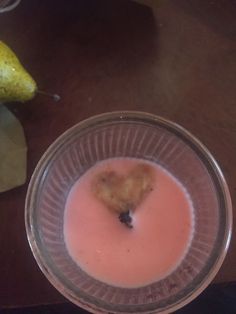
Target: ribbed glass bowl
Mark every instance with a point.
(8, 5)
(140, 135)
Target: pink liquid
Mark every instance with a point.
(113, 253)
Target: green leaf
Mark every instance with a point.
(13, 151)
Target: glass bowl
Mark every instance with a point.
(140, 135)
(8, 5)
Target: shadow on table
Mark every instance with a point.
(216, 299)
(74, 47)
(102, 37)
(219, 15)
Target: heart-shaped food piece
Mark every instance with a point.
(123, 193)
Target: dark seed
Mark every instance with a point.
(126, 219)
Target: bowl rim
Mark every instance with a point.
(126, 116)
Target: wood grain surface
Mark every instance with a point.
(176, 59)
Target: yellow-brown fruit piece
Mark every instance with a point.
(123, 193)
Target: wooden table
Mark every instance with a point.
(177, 60)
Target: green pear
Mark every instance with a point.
(16, 84)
